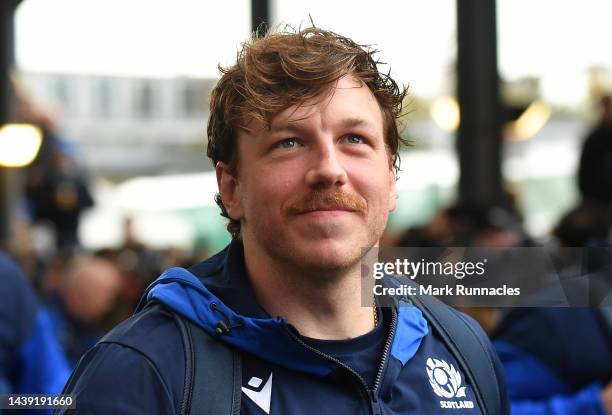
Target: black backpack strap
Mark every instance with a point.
(470, 350)
(213, 373)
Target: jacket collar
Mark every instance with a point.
(225, 275)
(216, 295)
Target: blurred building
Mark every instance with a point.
(129, 126)
(600, 82)
(136, 126)
(521, 91)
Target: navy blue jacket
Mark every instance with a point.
(557, 360)
(143, 371)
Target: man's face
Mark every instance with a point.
(318, 185)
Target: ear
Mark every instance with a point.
(229, 189)
(392, 190)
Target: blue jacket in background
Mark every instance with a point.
(141, 369)
(557, 360)
(31, 360)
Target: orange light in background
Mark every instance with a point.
(445, 113)
(19, 144)
(531, 121)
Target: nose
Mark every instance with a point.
(325, 170)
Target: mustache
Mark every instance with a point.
(326, 200)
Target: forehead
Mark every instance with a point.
(348, 101)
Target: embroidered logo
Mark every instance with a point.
(261, 396)
(445, 381)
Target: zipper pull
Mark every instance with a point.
(374, 404)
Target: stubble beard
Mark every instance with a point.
(311, 266)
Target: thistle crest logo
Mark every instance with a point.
(444, 379)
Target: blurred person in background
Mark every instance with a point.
(58, 194)
(56, 186)
(139, 264)
(589, 223)
(497, 226)
(595, 168)
(83, 303)
(460, 225)
(558, 361)
(31, 359)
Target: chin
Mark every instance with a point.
(331, 255)
(322, 255)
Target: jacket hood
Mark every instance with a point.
(217, 296)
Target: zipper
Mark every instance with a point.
(386, 350)
(369, 394)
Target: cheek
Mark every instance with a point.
(373, 184)
(265, 194)
(392, 202)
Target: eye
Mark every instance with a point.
(288, 143)
(355, 139)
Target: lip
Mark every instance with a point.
(343, 209)
(326, 212)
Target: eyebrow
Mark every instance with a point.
(355, 122)
(297, 126)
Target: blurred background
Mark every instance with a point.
(126, 85)
(112, 184)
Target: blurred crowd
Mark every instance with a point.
(57, 299)
(557, 360)
(54, 305)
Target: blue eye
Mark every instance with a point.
(287, 143)
(355, 139)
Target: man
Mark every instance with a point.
(303, 136)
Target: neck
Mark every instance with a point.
(322, 307)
